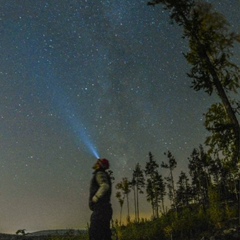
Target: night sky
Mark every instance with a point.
(83, 79)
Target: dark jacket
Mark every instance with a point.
(101, 188)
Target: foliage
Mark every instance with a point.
(69, 235)
(155, 187)
(184, 225)
(184, 191)
(171, 165)
(210, 55)
(69, 238)
(120, 198)
(141, 231)
(222, 138)
(124, 187)
(207, 198)
(199, 164)
(137, 184)
(218, 211)
(150, 172)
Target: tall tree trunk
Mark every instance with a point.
(220, 90)
(137, 201)
(128, 212)
(121, 215)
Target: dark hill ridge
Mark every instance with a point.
(18, 237)
(59, 232)
(43, 235)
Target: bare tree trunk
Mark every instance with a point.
(137, 200)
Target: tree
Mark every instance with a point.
(110, 173)
(223, 180)
(222, 138)
(120, 198)
(155, 188)
(150, 195)
(210, 54)
(183, 193)
(138, 183)
(150, 171)
(160, 192)
(199, 164)
(124, 186)
(170, 165)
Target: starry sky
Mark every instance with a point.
(82, 79)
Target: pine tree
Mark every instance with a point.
(184, 191)
(124, 187)
(120, 198)
(150, 195)
(160, 192)
(199, 164)
(153, 188)
(150, 171)
(171, 165)
(138, 183)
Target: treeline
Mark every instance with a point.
(207, 195)
(197, 202)
(207, 181)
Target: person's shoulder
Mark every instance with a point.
(101, 173)
(102, 176)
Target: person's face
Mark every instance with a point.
(96, 166)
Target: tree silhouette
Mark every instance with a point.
(211, 44)
(199, 171)
(124, 187)
(110, 173)
(120, 198)
(150, 172)
(184, 191)
(160, 192)
(138, 183)
(150, 195)
(155, 187)
(171, 165)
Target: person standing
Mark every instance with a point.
(100, 202)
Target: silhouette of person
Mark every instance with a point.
(99, 202)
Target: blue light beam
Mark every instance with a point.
(68, 111)
(81, 133)
(48, 83)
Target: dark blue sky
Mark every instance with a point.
(83, 75)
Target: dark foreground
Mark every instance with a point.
(16, 237)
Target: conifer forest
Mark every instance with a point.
(204, 201)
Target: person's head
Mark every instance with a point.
(102, 163)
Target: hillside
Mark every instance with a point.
(44, 235)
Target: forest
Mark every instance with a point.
(205, 200)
